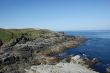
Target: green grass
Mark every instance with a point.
(7, 34)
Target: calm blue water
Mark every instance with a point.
(97, 45)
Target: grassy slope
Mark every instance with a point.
(7, 34)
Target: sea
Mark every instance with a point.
(97, 46)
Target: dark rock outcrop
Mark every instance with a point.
(1, 43)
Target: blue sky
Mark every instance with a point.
(55, 14)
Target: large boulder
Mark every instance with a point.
(77, 59)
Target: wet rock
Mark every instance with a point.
(88, 62)
(94, 60)
(108, 69)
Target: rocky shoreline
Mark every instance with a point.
(22, 53)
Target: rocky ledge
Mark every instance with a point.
(60, 68)
(76, 65)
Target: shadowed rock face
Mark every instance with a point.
(1, 43)
(22, 52)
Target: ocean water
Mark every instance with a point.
(97, 46)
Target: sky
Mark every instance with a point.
(55, 14)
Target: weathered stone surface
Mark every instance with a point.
(60, 68)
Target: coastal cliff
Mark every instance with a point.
(28, 47)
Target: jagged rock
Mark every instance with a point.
(83, 60)
(9, 60)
